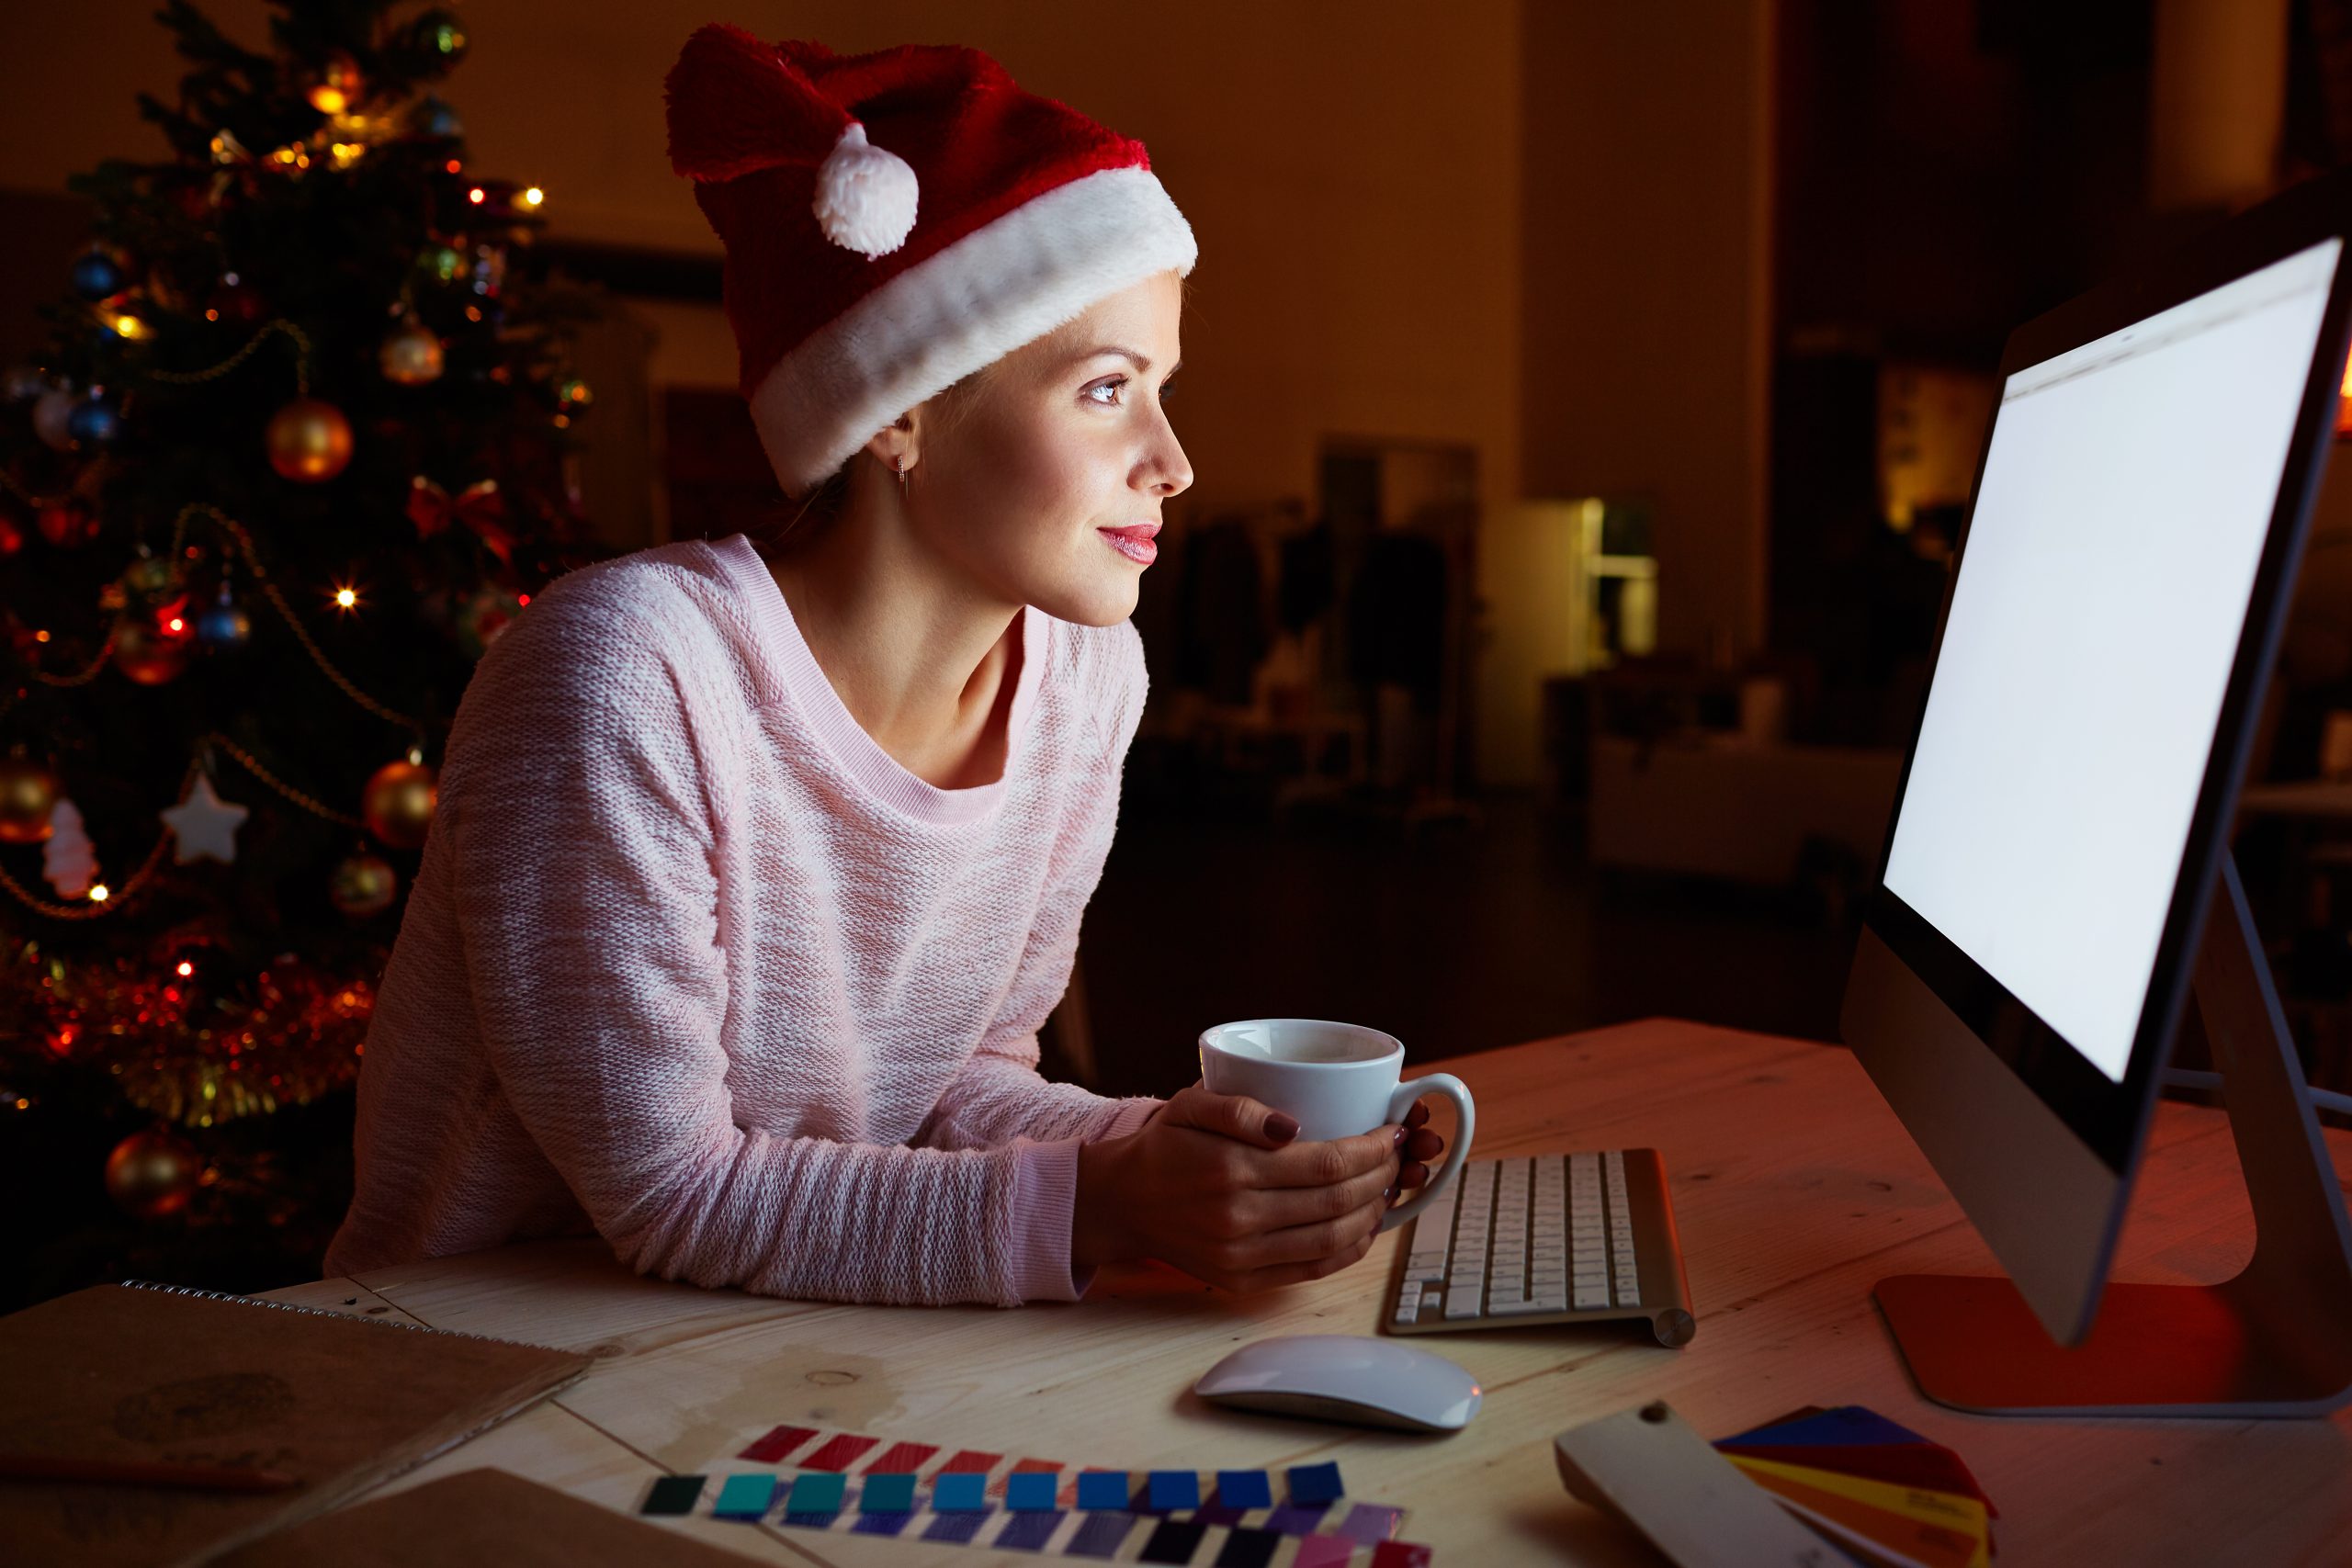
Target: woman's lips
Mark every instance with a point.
(1135, 543)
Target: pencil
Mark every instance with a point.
(147, 1473)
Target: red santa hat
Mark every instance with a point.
(895, 221)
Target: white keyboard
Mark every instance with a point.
(1543, 1238)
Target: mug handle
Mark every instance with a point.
(1399, 1103)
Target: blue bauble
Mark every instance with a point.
(96, 275)
(436, 118)
(224, 625)
(94, 422)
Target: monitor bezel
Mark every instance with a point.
(2111, 1117)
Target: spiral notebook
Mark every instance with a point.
(138, 1370)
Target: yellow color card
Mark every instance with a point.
(1933, 1529)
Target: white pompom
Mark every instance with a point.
(865, 195)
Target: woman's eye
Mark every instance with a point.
(1166, 387)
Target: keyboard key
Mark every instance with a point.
(1462, 1303)
(1518, 1309)
(1587, 1297)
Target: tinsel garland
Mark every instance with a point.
(184, 1048)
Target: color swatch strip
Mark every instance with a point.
(1299, 1516)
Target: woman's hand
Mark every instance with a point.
(1219, 1186)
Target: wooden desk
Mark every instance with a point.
(1795, 1189)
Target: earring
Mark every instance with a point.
(898, 466)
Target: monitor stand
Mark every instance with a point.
(2276, 1341)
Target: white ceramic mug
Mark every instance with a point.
(1338, 1080)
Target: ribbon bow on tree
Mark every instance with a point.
(480, 506)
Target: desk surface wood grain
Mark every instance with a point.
(1795, 1190)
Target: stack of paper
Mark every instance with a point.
(1880, 1492)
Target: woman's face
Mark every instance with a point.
(1066, 439)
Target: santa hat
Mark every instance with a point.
(895, 221)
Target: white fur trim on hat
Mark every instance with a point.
(999, 287)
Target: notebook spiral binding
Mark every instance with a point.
(322, 1312)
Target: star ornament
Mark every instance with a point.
(203, 825)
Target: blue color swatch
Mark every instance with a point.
(890, 1524)
(816, 1494)
(744, 1497)
(1029, 1530)
(1847, 1426)
(960, 1493)
(1027, 1492)
(1244, 1489)
(1103, 1489)
(956, 1528)
(886, 1494)
(1099, 1535)
(1315, 1482)
(1175, 1489)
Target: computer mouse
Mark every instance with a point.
(1345, 1377)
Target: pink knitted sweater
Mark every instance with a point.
(693, 964)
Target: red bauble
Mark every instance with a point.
(148, 653)
(310, 441)
(153, 1174)
(397, 803)
(68, 522)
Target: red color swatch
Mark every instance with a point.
(1400, 1554)
(902, 1459)
(772, 1448)
(1027, 1466)
(969, 1460)
(839, 1452)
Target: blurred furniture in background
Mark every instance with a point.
(1568, 586)
(1769, 814)
(1319, 658)
(1688, 770)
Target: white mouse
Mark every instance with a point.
(1345, 1377)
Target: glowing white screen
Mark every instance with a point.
(2127, 493)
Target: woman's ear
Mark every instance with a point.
(894, 443)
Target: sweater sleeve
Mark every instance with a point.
(999, 1096)
(584, 852)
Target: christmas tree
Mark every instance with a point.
(300, 447)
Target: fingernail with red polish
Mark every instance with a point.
(1399, 1139)
(1281, 1128)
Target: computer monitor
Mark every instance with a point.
(2061, 826)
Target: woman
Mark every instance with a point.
(754, 875)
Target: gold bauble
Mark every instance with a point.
(146, 653)
(397, 803)
(310, 441)
(153, 1174)
(150, 576)
(411, 354)
(339, 86)
(364, 884)
(28, 790)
